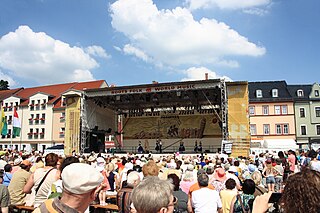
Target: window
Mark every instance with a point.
(300, 93)
(274, 93)
(43, 118)
(259, 93)
(285, 128)
(302, 113)
(251, 110)
(265, 110)
(278, 129)
(318, 129)
(266, 129)
(10, 107)
(10, 120)
(284, 109)
(277, 110)
(317, 109)
(17, 104)
(32, 105)
(303, 130)
(5, 107)
(253, 129)
(316, 93)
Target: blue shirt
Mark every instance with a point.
(7, 178)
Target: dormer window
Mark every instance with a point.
(274, 93)
(300, 93)
(259, 93)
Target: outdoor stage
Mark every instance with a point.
(208, 112)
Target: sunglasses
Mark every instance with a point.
(175, 200)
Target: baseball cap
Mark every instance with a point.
(80, 178)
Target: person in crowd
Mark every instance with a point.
(269, 172)
(18, 181)
(57, 188)
(301, 194)
(187, 181)
(227, 195)
(124, 194)
(292, 161)
(205, 199)
(150, 169)
(232, 174)
(112, 176)
(101, 163)
(279, 175)
(218, 179)
(153, 195)
(257, 178)
(243, 202)
(7, 175)
(38, 164)
(285, 165)
(182, 204)
(196, 185)
(314, 162)
(4, 197)
(81, 183)
(16, 164)
(41, 180)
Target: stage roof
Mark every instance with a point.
(158, 95)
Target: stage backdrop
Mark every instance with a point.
(189, 124)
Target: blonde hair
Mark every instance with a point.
(110, 167)
(150, 169)
(256, 177)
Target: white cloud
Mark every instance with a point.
(198, 73)
(6, 77)
(226, 4)
(37, 56)
(131, 50)
(97, 51)
(174, 37)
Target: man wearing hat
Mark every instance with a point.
(81, 183)
(18, 181)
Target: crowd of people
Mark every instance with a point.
(166, 183)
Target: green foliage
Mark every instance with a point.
(4, 85)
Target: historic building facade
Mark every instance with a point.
(41, 111)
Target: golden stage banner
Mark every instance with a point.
(238, 118)
(72, 130)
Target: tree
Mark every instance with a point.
(4, 85)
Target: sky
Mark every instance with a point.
(131, 42)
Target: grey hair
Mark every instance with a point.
(152, 194)
(132, 177)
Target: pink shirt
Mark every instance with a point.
(185, 186)
(292, 161)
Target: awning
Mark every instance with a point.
(280, 144)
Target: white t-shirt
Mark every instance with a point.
(206, 200)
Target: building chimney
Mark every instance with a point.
(154, 82)
(206, 76)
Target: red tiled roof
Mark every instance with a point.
(56, 90)
(7, 93)
(88, 85)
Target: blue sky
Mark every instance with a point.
(129, 42)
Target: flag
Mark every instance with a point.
(16, 124)
(3, 125)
